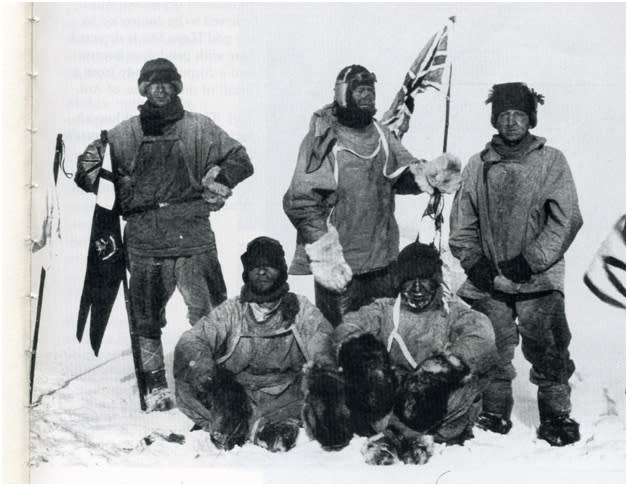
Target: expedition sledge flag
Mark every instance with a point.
(106, 267)
(46, 224)
(427, 71)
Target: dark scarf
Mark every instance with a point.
(289, 303)
(155, 118)
(512, 152)
(352, 116)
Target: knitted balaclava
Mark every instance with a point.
(264, 251)
(159, 70)
(417, 260)
(347, 111)
(514, 96)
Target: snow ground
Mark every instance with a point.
(86, 421)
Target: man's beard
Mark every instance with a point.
(352, 116)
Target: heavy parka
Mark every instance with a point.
(265, 357)
(526, 206)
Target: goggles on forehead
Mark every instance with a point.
(349, 82)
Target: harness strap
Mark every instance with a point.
(395, 336)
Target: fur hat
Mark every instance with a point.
(264, 251)
(159, 70)
(348, 79)
(417, 260)
(514, 96)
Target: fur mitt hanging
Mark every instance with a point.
(327, 261)
(441, 173)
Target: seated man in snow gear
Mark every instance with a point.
(239, 370)
(341, 198)
(414, 368)
(512, 221)
(171, 169)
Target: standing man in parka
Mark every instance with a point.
(171, 169)
(342, 197)
(512, 220)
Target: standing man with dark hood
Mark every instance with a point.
(171, 169)
(342, 197)
(513, 218)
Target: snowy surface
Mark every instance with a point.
(260, 70)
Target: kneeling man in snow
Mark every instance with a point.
(238, 371)
(414, 369)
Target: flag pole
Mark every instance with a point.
(42, 278)
(448, 96)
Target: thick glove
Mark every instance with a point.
(327, 261)
(516, 269)
(230, 410)
(482, 274)
(214, 192)
(423, 397)
(444, 369)
(326, 417)
(370, 382)
(442, 173)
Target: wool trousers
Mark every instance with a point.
(153, 280)
(540, 320)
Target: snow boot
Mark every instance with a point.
(158, 397)
(278, 436)
(381, 450)
(559, 431)
(494, 423)
(326, 417)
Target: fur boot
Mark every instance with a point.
(277, 436)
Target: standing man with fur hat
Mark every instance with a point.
(171, 169)
(513, 218)
(413, 369)
(342, 197)
(239, 370)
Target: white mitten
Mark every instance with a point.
(328, 263)
(214, 192)
(442, 173)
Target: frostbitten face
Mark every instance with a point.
(160, 94)
(417, 294)
(262, 279)
(513, 125)
(364, 97)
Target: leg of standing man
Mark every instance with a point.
(545, 341)
(497, 399)
(151, 285)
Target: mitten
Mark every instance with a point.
(214, 192)
(326, 417)
(230, 410)
(422, 400)
(370, 381)
(482, 274)
(516, 269)
(327, 261)
(442, 173)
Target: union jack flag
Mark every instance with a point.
(427, 71)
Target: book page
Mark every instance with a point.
(16, 136)
(260, 71)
